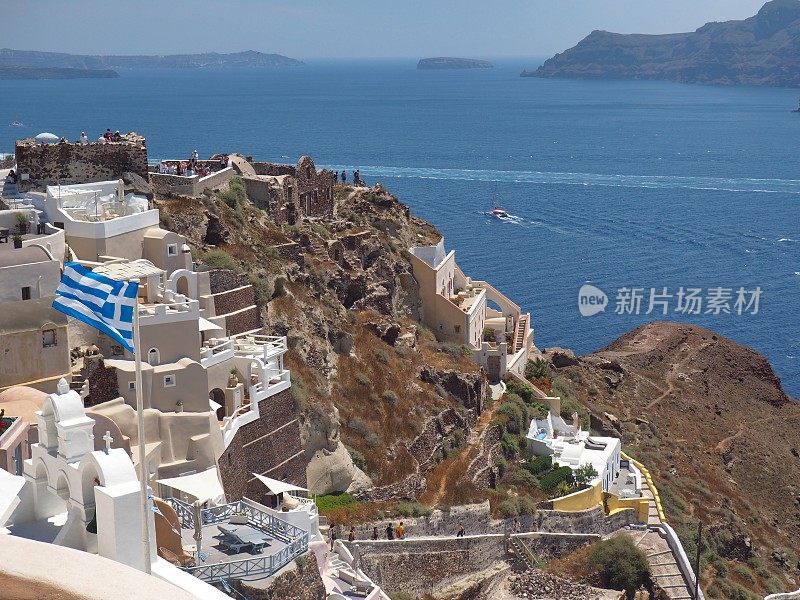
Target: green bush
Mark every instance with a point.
(382, 356)
(584, 474)
(262, 289)
(235, 194)
(621, 564)
(551, 480)
(540, 464)
(390, 397)
(518, 477)
(362, 379)
(219, 259)
(358, 458)
(412, 509)
(508, 443)
(332, 501)
(501, 464)
(534, 369)
(516, 506)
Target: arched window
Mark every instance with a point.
(153, 357)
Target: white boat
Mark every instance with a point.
(499, 213)
(16, 124)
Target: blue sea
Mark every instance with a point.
(636, 185)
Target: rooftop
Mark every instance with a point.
(127, 270)
(126, 138)
(29, 315)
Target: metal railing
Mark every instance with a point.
(296, 539)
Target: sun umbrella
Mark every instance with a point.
(47, 138)
(198, 525)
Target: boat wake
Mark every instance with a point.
(732, 184)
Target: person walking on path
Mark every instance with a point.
(400, 531)
(374, 533)
(351, 537)
(333, 535)
(460, 530)
(390, 531)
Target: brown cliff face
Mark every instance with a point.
(364, 372)
(709, 418)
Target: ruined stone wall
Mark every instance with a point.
(593, 520)
(548, 546)
(274, 169)
(75, 163)
(269, 446)
(419, 567)
(103, 382)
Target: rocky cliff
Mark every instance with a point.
(13, 72)
(709, 418)
(761, 50)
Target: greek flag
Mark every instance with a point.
(99, 301)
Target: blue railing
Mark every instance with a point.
(296, 539)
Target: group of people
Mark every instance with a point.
(106, 138)
(192, 166)
(357, 181)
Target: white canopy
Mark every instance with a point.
(206, 325)
(278, 487)
(203, 486)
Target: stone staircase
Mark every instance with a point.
(519, 333)
(520, 551)
(664, 568)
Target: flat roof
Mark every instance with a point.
(26, 255)
(29, 315)
(134, 269)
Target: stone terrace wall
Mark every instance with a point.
(269, 446)
(587, 521)
(75, 163)
(233, 300)
(422, 566)
(246, 320)
(223, 280)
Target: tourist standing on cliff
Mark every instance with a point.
(351, 537)
(400, 531)
(344, 176)
(390, 531)
(336, 177)
(460, 530)
(84, 139)
(333, 535)
(374, 533)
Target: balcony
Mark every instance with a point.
(216, 351)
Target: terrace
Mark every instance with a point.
(217, 558)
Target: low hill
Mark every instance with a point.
(8, 72)
(446, 62)
(250, 58)
(761, 50)
(709, 418)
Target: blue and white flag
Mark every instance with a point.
(99, 301)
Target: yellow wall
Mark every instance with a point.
(640, 506)
(650, 484)
(580, 501)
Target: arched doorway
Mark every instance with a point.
(153, 357)
(218, 396)
(182, 285)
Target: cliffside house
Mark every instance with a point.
(461, 310)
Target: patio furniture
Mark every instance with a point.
(183, 560)
(4, 235)
(242, 536)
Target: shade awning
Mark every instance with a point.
(203, 486)
(206, 325)
(278, 487)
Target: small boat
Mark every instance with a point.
(499, 213)
(797, 110)
(16, 124)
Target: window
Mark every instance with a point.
(172, 249)
(49, 338)
(153, 357)
(131, 385)
(26, 292)
(169, 380)
(458, 328)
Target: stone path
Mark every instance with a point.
(663, 566)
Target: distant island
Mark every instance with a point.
(51, 60)
(13, 72)
(761, 50)
(447, 62)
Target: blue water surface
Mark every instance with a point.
(622, 184)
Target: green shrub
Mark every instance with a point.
(219, 259)
(262, 289)
(358, 458)
(362, 379)
(501, 464)
(488, 334)
(508, 443)
(235, 194)
(534, 369)
(621, 564)
(744, 572)
(412, 509)
(516, 506)
(509, 508)
(301, 561)
(540, 464)
(519, 477)
(332, 501)
(390, 397)
(382, 356)
(523, 390)
(550, 480)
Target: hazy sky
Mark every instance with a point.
(345, 28)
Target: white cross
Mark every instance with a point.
(108, 439)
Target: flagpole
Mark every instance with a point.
(143, 471)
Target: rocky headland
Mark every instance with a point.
(447, 62)
(761, 50)
(12, 72)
